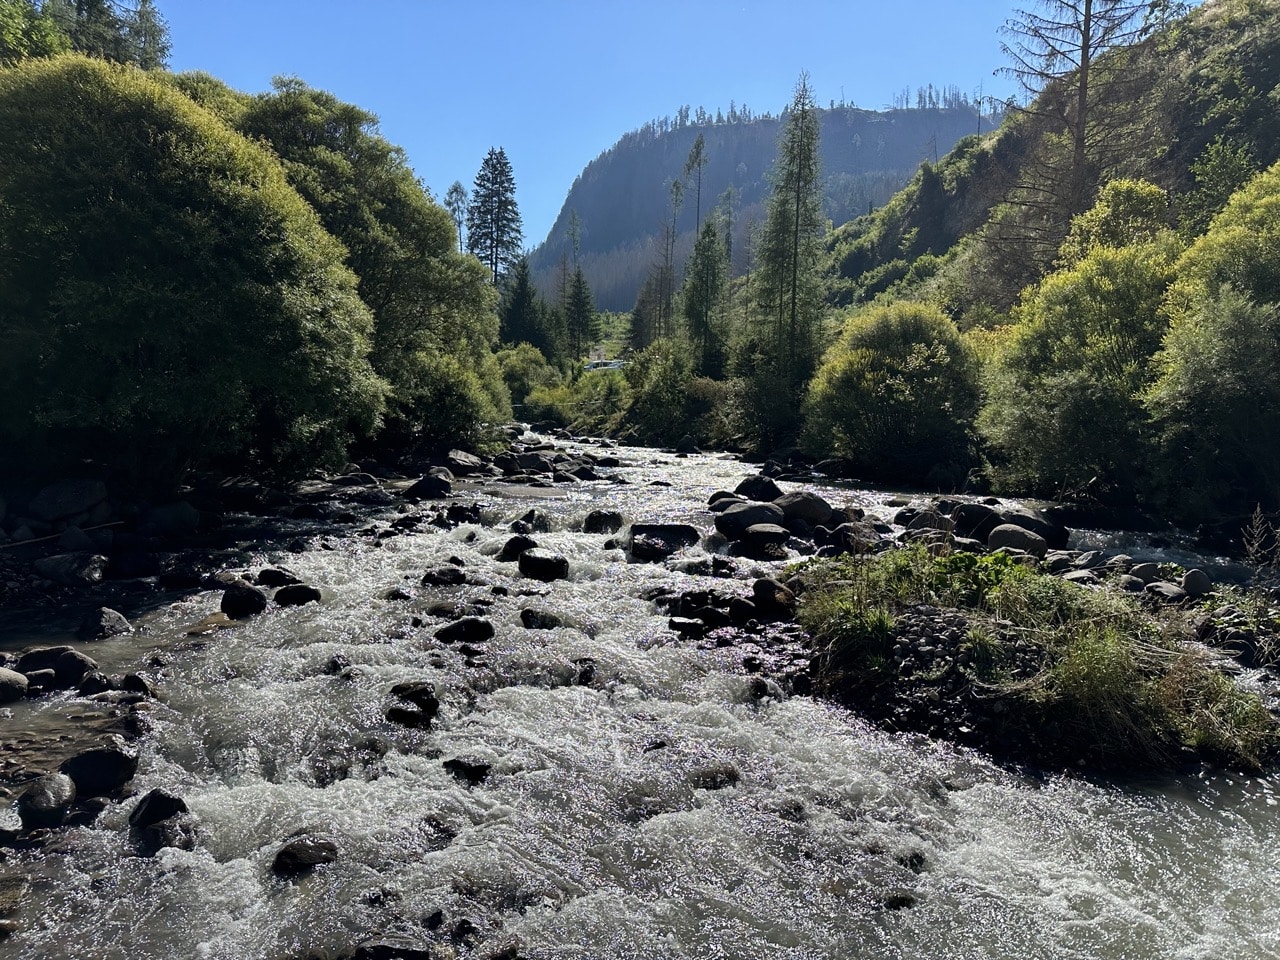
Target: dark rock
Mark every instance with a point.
(67, 498)
(543, 565)
(241, 600)
(804, 505)
(72, 569)
(766, 533)
(734, 521)
(157, 805)
(686, 444)
(1082, 577)
(759, 488)
(276, 577)
(466, 630)
(103, 624)
(517, 545)
(722, 495)
(397, 948)
(46, 801)
(72, 666)
(297, 594)
(1016, 537)
(464, 464)
(470, 770)
(137, 683)
(421, 694)
(534, 521)
(133, 564)
(178, 832)
(1054, 534)
(40, 658)
(444, 577)
(13, 685)
(410, 717)
(856, 537)
(773, 599)
(657, 541)
(41, 681)
(540, 619)
(725, 502)
(303, 854)
(1196, 583)
(1166, 592)
(75, 540)
(429, 488)
(103, 770)
(975, 520)
(742, 610)
(602, 521)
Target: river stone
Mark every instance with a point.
(157, 805)
(602, 521)
(1146, 572)
(41, 681)
(303, 854)
(429, 488)
(103, 770)
(1016, 537)
(13, 890)
(177, 519)
(40, 658)
(178, 832)
(448, 576)
(46, 801)
(242, 600)
(975, 520)
(1166, 592)
(804, 505)
(398, 948)
(734, 521)
(297, 595)
(855, 537)
(759, 488)
(725, 502)
(72, 666)
(766, 533)
(72, 569)
(773, 599)
(657, 541)
(102, 624)
(1085, 578)
(544, 565)
(471, 770)
(1054, 534)
(94, 683)
(931, 520)
(517, 545)
(464, 464)
(1196, 583)
(67, 498)
(532, 619)
(422, 694)
(466, 630)
(13, 685)
(276, 577)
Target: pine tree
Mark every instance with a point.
(703, 289)
(147, 36)
(521, 312)
(788, 290)
(580, 316)
(494, 230)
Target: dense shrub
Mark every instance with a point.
(168, 298)
(524, 369)
(897, 395)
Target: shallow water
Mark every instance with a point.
(661, 811)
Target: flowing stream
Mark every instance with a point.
(652, 806)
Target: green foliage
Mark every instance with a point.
(1223, 168)
(524, 369)
(27, 31)
(897, 395)
(494, 227)
(594, 403)
(658, 377)
(445, 402)
(169, 298)
(701, 297)
(1063, 410)
(1080, 673)
(1216, 407)
(1126, 212)
(427, 299)
(580, 316)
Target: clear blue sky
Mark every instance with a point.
(556, 82)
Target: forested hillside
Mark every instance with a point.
(623, 201)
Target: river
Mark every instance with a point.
(643, 800)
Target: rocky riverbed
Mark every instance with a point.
(249, 665)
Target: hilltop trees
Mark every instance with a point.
(494, 229)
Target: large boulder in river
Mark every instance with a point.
(13, 685)
(543, 565)
(1014, 537)
(602, 521)
(242, 600)
(46, 801)
(72, 569)
(734, 521)
(759, 488)
(806, 506)
(429, 488)
(67, 498)
(102, 624)
(102, 770)
(1053, 533)
(657, 541)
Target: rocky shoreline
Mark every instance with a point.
(153, 555)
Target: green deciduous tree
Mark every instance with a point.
(27, 31)
(897, 394)
(494, 229)
(168, 298)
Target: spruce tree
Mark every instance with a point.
(580, 316)
(494, 230)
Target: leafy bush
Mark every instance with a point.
(897, 394)
(168, 298)
(1063, 411)
(524, 369)
(443, 403)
